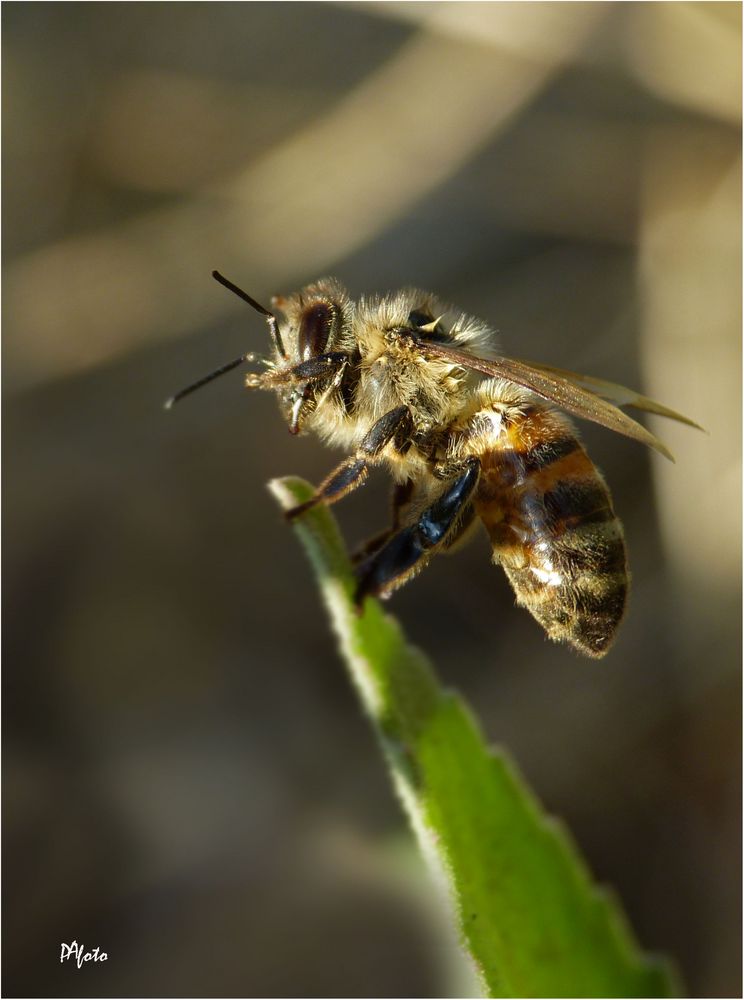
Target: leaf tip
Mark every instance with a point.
(286, 490)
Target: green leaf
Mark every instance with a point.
(528, 912)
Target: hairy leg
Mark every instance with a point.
(409, 550)
(351, 473)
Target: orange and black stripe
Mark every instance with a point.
(551, 522)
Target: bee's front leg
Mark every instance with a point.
(410, 549)
(394, 425)
(320, 367)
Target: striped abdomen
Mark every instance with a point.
(550, 520)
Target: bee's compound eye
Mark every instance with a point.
(315, 329)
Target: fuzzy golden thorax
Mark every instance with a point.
(384, 366)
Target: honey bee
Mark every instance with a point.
(468, 436)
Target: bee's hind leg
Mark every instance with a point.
(410, 549)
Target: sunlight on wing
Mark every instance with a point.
(619, 394)
(565, 394)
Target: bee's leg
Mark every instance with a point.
(409, 549)
(394, 425)
(317, 368)
(462, 531)
(402, 493)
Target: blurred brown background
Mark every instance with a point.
(189, 783)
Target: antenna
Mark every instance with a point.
(273, 326)
(270, 317)
(208, 378)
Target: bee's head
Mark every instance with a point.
(317, 321)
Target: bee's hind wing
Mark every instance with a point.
(620, 395)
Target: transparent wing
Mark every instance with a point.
(556, 387)
(618, 394)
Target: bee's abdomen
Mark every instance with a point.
(552, 526)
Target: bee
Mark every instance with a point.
(406, 381)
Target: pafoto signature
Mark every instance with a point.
(81, 955)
